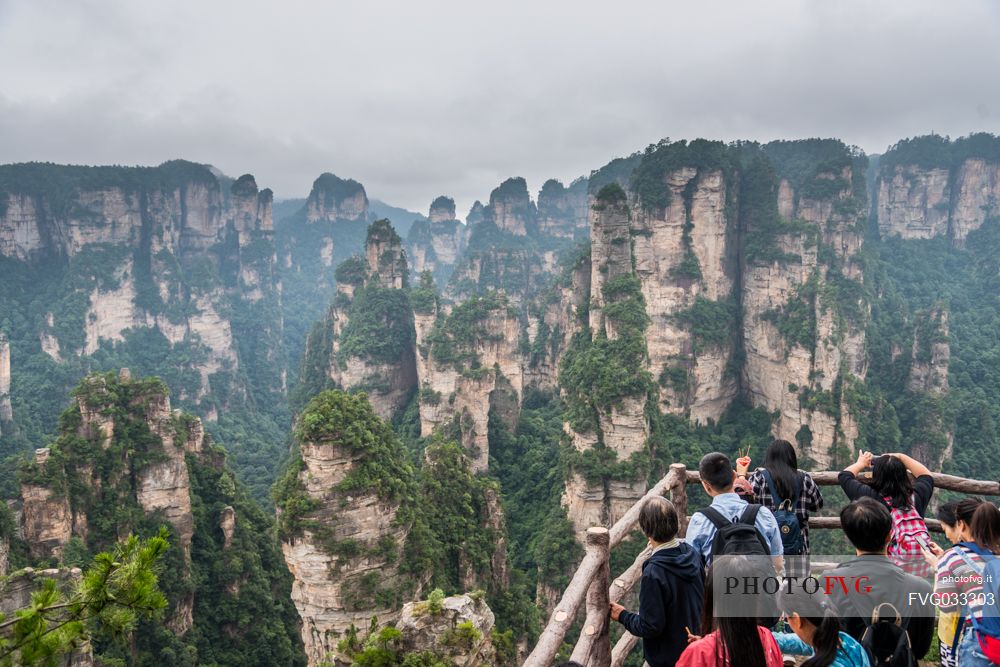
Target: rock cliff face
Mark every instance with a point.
(914, 203)
(618, 428)
(804, 316)
(54, 510)
(746, 284)
(684, 257)
(927, 384)
(473, 368)
(125, 462)
(6, 410)
(931, 354)
(505, 251)
(131, 250)
(385, 257)
(436, 244)
(930, 186)
(562, 211)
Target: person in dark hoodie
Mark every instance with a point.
(671, 590)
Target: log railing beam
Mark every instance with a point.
(624, 525)
(594, 646)
(564, 614)
(978, 487)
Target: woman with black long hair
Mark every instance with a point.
(907, 500)
(816, 632)
(729, 640)
(781, 487)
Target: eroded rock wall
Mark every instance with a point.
(6, 409)
(804, 317)
(916, 201)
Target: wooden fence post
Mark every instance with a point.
(679, 497)
(594, 646)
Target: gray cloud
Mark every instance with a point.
(417, 99)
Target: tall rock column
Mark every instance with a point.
(344, 511)
(436, 244)
(603, 378)
(927, 384)
(684, 258)
(371, 325)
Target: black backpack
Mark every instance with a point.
(886, 641)
(739, 538)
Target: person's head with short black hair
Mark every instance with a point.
(658, 519)
(717, 474)
(867, 523)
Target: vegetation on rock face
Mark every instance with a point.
(934, 151)
(379, 325)
(455, 505)
(444, 202)
(597, 372)
(611, 194)
(649, 178)
(252, 595)
(913, 278)
(711, 323)
(348, 421)
(455, 336)
(352, 271)
(424, 297)
(331, 190)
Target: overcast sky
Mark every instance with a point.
(418, 98)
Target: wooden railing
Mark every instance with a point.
(591, 583)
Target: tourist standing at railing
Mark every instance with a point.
(956, 520)
(790, 494)
(730, 640)
(671, 590)
(907, 501)
(717, 478)
(960, 575)
(871, 582)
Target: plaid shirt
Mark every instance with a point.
(810, 499)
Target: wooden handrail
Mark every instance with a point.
(565, 612)
(594, 646)
(978, 487)
(591, 578)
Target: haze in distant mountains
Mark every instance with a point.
(418, 99)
